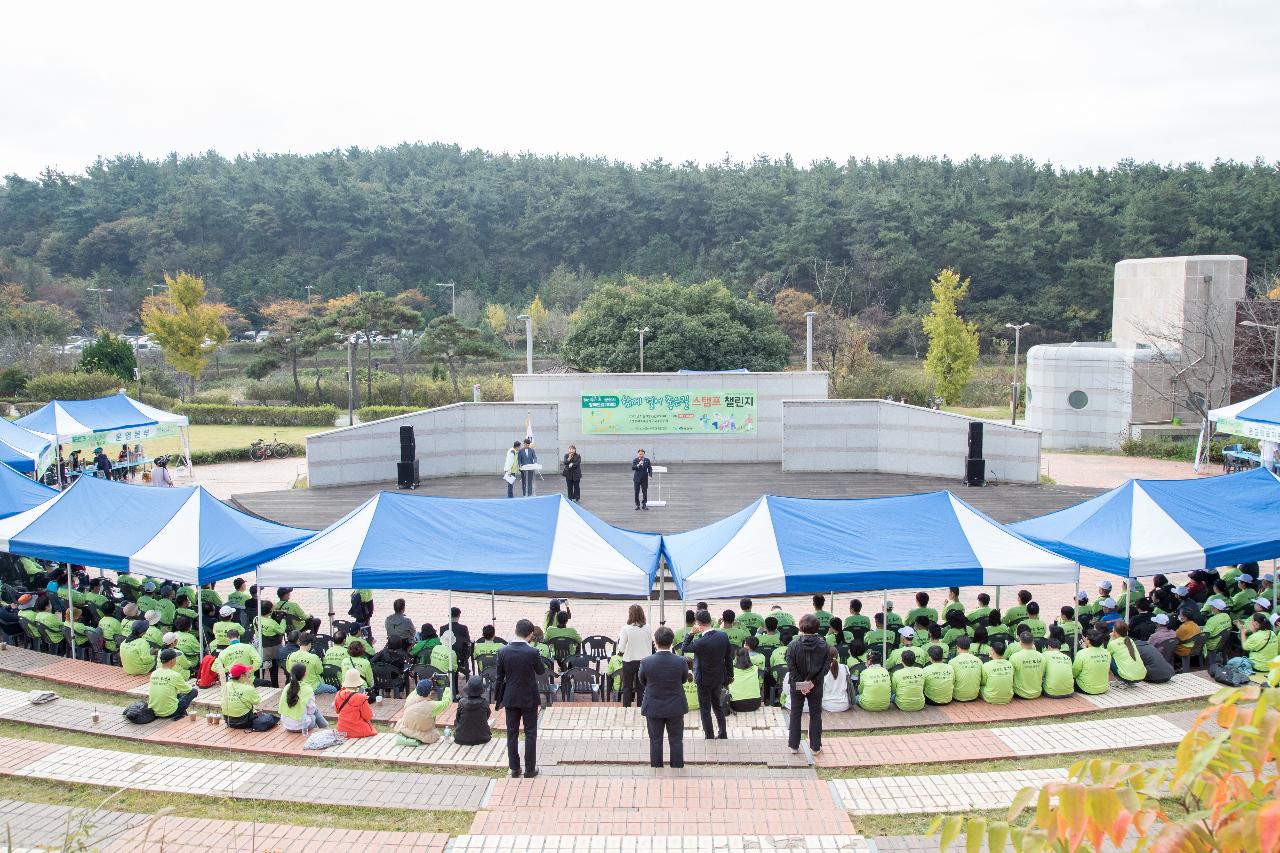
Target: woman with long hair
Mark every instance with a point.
(744, 684)
(635, 643)
(298, 712)
(1126, 663)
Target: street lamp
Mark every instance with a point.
(453, 297)
(528, 341)
(642, 333)
(808, 339)
(309, 288)
(351, 377)
(100, 291)
(1275, 347)
(1017, 342)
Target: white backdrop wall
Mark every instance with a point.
(894, 438)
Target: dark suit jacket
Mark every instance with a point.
(641, 470)
(663, 676)
(711, 657)
(516, 686)
(572, 466)
(461, 638)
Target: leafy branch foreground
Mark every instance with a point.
(1220, 794)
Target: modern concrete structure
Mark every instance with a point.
(1169, 315)
(887, 437)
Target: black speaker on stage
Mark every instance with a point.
(975, 472)
(407, 474)
(408, 446)
(975, 440)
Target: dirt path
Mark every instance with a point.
(1107, 472)
(239, 477)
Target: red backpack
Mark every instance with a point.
(206, 677)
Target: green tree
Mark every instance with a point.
(188, 328)
(698, 327)
(28, 326)
(368, 315)
(109, 354)
(453, 344)
(953, 342)
(790, 306)
(297, 331)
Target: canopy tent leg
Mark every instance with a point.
(330, 612)
(258, 622)
(200, 628)
(71, 616)
(662, 593)
(1075, 638)
(453, 656)
(1195, 465)
(493, 609)
(1274, 581)
(1128, 597)
(184, 439)
(998, 599)
(884, 631)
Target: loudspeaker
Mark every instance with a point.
(408, 446)
(975, 472)
(975, 440)
(407, 474)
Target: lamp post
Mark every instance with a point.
(309, 288)
(642, 333)
(528, 342)
(101, 308)
(1017, 343)
(453, 297)
(1275, 347)
(808, 339)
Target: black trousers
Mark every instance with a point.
(708, 704)
(574, 488)
(630, 686)
(529, 718)
(674, 728)
(642, 493)
(526, 483)
(798, 700)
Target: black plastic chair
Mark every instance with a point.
(1196, 653)
(98, 646)
(778, 673)
(564, 647)
(599, 647)
(484, 662)
(547, 687)
(331, 675)
(389, 679)
(581, 662)
(788, 633)
(579, 680)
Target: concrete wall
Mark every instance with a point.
(1098, 377)
(877, 435)
(465, 438)
(764, 445)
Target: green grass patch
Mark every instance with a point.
(211, 438)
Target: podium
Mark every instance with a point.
(658, 471)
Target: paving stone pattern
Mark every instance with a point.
(954, 792)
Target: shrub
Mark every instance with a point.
(160, 401)
(377, 413)
(1181, 451)
(13, 380)
(235, 454)
(215, 398)
(109, 354)
(72, 386)
(207, 413)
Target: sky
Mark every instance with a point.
(1074, 82)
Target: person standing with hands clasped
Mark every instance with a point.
(634, 645)
(527, 456)
(712, 661)
(662, 676)
(641, 471)
(807, 658)
(516, 689)
(571, 470)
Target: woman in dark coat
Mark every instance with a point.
(472, 727)
(571, 470)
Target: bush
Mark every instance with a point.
(208, 413)
(421, 390)
(235, 454)
(109, 354)
(215, 398)
(377, 413)
(160, 401)
(1180, 451)
(72, 386)
(13, 380)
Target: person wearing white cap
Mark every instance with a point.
(226, 622)
(1217, 626)
(1244, 596)
(181, 663)
(1108, 616)
(154, 634)
(907, 635)
(1163, 633)
(1259, 641)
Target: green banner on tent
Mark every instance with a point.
(129, 435)
(702, 412)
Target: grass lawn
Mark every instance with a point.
(992, 413)
(222, 437)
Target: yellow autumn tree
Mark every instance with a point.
(188, 328)
(496, 316)
(537, 311)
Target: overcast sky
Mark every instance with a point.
(1074, 83)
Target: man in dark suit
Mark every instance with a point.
(641, 471)
(516, 689)
(712, 664)
(664, 704)
(527, 456)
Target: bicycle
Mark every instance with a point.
(260, 450)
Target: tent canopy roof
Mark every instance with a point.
(19, 493)
(1264, 408)
(61, 418)
(790, 545)
(398, 541)
(183, 534)
(20, 448)
(1144, 527)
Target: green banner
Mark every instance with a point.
(129, 435)
(1249, 429)
(646, 412)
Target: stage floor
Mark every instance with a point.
(696, 494)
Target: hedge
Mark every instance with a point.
(208, 413)
(72, 386)
(421, 392)
(377, 413)
(236, 454)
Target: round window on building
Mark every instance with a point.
(1078, 399)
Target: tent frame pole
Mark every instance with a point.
(71, 615)
(257, 623)
(330, 611)
(200, 624)
(453, 656)
(1075, 637)
(662, 592)
(884, 632)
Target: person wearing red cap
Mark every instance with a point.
(240, 699)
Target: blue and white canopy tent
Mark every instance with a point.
(117, 419)
(793, 545)
(23, 450)
(19, 493)
(1258, 417)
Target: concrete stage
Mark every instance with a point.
(697, 494)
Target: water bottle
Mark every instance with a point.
(448, 733)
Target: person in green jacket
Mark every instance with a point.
(1092, 665)
(236, 653)
(51, 622)
(729, 624)
(184, 665)
(824, 616)
(769, 638)
(1259, 642)
(1015, 614)
(169, 692)
(336, 655)
(892, 621)
(294, 616)
(749, 620)
(978, 615)
(110, 626)
(875, 685)
(752, 645)
(997, 677)
(744, 686)
(237, 594)
(681, 632)
(487, 645)
(1070, 627)
(1028, 667)
(875, 638)
(1059, 680)
(182, 607)
(1126, 663)
(1218, 626)
(996, 629)
(922, 608)
(1242, 599)
(907, 635)
(1034, 623)
(136, 657)
(209, 597)
(360, 663)
(908, 684)
(314, 675)
(855, 621)
(939, 677)
(968, 672)
(223, 626)
(240, 701)
(147, 600)
(952, 603)
(784, 618)
(1133, 590)
(957, 627)
(165, 604)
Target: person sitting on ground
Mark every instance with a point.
(922, 608)
(1028, 667)
(169, 692)
(1067, 622)
(298, 712)
(1107, 616)
(1259, 641)
(240, 699)
(857, 658)
(223, 625)
(785, 619)
(1033, 622)
(968, 672)
(933, 638)
(997, 677)
(236, 653)
(314, 677)
(748, 620)
(907, 683)
(769, 638)
(136, 657)
(939, 677)
(835, 686)
(426, 641)
(1159, 667)
(729, 624)
(418, 720)
(1092, 664)
(1059, 680)
(981, 643)
(823, 616)
(978, 615)
(355, 716)
(360, 663)
(855, 621)
(957, 626)
(744, 684)
(397, 624)
(1015, 614)
(472, 726)
(875, 685)
(1126, 663)
(752, 646)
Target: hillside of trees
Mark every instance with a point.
(863, 237)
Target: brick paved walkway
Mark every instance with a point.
(953, 792)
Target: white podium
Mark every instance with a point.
(658, 471)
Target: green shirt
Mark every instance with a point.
(978, 615)
(1242, 600)
(948, 607)
(768, 641)
(750, 620)
(162, 694)
(167, 611)
(875, 638)
(855, 621)
(1013, 615)
(136, 657)
(1216, 627)
(555, 631)
(997, 682)
(234, 654)
(365, 668)
(736, 633)
(239, 699)
(145, 603)
(874, 688)
(824, 619)
(927, 612)
(220, 629)
(1058, 677)
(1262, 646)
(292, 610)
(784, 619)
(269, 626)
(188, 645)
(908, 688)
(1092, 669)
(892, 621)
(110, 628)
(315, 669)
(336, 656)
(486, 647)
(1028, 673)
(1036, 626)
(366, 595)
(1129, 665)
(442, 658)
(210, 597)
(745, 684)
(32, 568)
(296, 710)
(939, 683)
(235, 597)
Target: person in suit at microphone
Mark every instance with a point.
(516, 690)
(527, 456)
(711, 669)
(641, 471)
(662, 675)
(571, 468)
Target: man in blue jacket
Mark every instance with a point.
(641, 471)
(664, 704)
(527, 456)
(516, 690)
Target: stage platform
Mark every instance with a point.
(695, 494)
